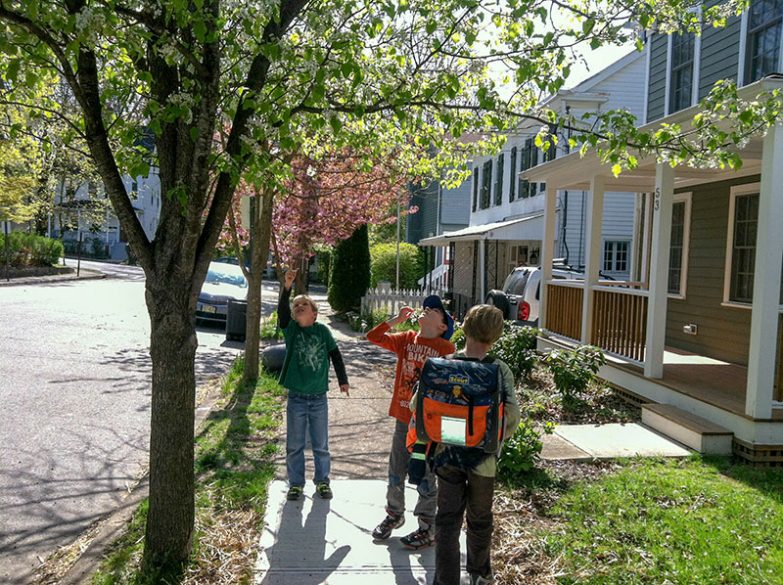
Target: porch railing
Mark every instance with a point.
(564, 309)
(620, 321)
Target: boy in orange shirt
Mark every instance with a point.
(412, 348)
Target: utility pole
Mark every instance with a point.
(397, 282)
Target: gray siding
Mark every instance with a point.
(656, 97)
(719, 54)
(722, 331)
(455, 204)
(423, 223)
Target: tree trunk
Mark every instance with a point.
(262, 228)
(173, 345)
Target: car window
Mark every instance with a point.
(516, 281)
(219, 276)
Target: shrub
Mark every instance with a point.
(458, 338)
(350, 277)
(521, 451)
(516, 347)
(30, 250)
(573, 370)
(269, 328)
(384, 264)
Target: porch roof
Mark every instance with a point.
(575, 172)
(529, 227)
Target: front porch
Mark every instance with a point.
(712, 350)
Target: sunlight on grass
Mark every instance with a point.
(235, 450)
(679, 522)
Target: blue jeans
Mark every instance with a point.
(302, 412)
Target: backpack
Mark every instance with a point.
(461, 406)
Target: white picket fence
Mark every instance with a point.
(384, 298)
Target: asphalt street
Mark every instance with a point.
(75, 391)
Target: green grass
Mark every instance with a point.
(693, 521)
(233, 465)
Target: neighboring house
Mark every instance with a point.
(75, 210)
(506, 220)
(699, 332)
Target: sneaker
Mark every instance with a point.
(479, 580)
(324, 491)
(418, 539)
(384, 529)
(294, 493)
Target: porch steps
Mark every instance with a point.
(689, 429)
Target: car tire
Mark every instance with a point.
(499, 299)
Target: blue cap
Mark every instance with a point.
(434, 302)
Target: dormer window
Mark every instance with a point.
(763, 45)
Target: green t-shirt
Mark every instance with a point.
(306, 367)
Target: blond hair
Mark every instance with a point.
(308, 300)
(484, 323)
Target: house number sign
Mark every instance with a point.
(657, 199)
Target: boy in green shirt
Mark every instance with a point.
(309, 347)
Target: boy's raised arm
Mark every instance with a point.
(379, 335)
(283, 304)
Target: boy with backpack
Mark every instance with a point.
(466, 474)
(412, 349)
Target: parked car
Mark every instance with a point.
(224, 282)
(521, 291)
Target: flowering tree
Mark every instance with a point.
(328, 199)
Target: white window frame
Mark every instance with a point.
(736, 191)
(686, 243)
(629, 253)
(743, 48)
(696, 73)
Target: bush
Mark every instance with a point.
(30, 250)
(517, 347)
(384, 264)
(458, 337)
(521, 451)
(573, 370)
(350, 276)
(269, 328)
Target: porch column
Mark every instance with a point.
(547, 254)
(482, 271)
(766, 283)
(661, 212)
(594, 216)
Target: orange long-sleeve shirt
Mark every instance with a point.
(412, 350)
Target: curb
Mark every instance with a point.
(85, 274)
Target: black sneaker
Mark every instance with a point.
(384, 529)
(324, 491)
(294, 493)
(418, 539)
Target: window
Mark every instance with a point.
(681, 82)
(742, 246)
(615, 256)
(475, 188)
(499, 181)
(678, 247)
(763, 43)
(512, 184)
(529, 160)
(551, 152)
(486, 182)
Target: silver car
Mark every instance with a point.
(224, 282)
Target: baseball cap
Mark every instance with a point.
(434, 302)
